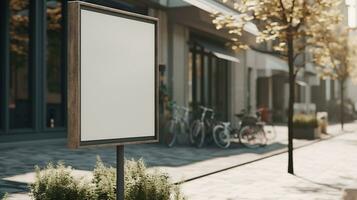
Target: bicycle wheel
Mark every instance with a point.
(221, 137)
(270, 132)
(261, 135)
(192, 127)
(249, 137)
(171, 133)
(209, 126)
(197, 134)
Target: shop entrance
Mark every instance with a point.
(208, 81)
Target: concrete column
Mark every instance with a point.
(179, 64)
(308, 94)
(253, 89)
(270, 93)
(162, 38)
(238, 86)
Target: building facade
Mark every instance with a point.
(200, 68)
(33, 67)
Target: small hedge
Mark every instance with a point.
(104, 180)
(146, 186)
(56, 182)
(5, 197)
(305, 121)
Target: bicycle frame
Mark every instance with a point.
(180, 114)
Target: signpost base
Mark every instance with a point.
(120, 172)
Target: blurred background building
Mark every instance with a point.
(199, 67)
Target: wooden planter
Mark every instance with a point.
(307, 133)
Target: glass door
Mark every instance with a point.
(221, 103)
(20, 103)
(208, 81)
(55, 65)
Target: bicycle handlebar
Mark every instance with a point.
(177, 107)
(206, 109)
(184, 108)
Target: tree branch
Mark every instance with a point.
(283, 11)
(292, 11)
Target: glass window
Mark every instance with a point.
(20, 98)
(206, 89)
(221, 105)
(1, 94)
(198, 79)
(137, 7)
(209, 77)
(55, 65)
(3, 11)
(190, 63)
(213, 81)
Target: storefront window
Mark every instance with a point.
(3, 7)
(139, 7)
(213, 81)
(221, 104)
(55, 65)
(198, 79)
(209, 77)
(206, 81)
(20, 93)
(33, 63)
(190, 63)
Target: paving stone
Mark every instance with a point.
(322, 171)
(181, 162)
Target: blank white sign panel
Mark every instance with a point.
(117, 77)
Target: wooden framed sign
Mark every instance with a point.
(112, 76)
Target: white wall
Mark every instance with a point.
(351, 90)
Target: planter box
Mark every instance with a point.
(307, 133)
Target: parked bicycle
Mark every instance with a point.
(201, 128)
(249, 132)
(269, 128)
(178, 125)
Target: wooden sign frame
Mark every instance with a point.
(74, 76)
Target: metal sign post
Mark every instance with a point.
(112, 67)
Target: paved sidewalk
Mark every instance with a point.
(322, 171)
(182, 162)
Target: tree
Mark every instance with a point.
(289, 23)
(335, 53)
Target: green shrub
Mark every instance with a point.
(104, 179)
(139, 183)
(56, 182)
(305, 121)
(146, 186)
(5, 197)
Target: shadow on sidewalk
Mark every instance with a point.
(22, 159)
(336, 186)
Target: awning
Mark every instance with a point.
(213, 7)
(267, 65)
(309, 68)
(226, 57)
(301, 83)
(218, 51)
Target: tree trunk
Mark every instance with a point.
(290, 42)
(342, 103)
